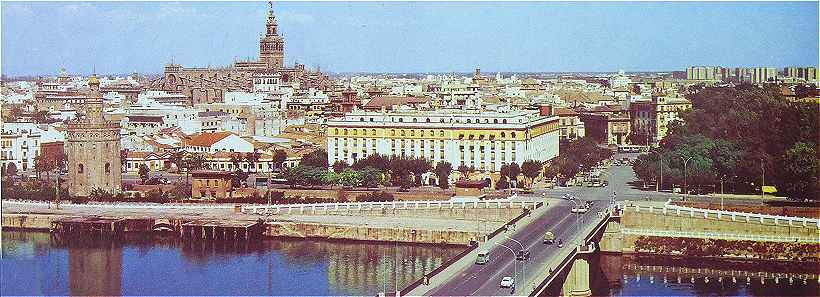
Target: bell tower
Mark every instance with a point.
(272, 45)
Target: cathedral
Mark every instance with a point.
(92, 148)
(207, 85)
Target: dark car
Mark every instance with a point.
(522, 255)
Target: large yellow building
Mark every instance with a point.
(485, 139)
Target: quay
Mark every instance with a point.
(226, 230)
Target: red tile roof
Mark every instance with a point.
(207, 139)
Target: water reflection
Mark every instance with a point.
(138, 265)
(648, 275)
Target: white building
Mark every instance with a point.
(20, 143)
(218, 142)
(482, 139)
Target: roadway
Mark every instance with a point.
(484, 280)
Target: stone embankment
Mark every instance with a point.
(438, 226)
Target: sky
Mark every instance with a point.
(38, 38)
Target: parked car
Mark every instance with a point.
(507, 282)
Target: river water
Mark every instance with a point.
(35, 263)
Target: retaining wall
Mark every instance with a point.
(368, 233)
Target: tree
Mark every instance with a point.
(144, 172)
(43, 164)
(236, 160)
(400, 171)
(123, 160)
(531, 169)
(376, 161)
(514, 171)
(371, 177)
(443, 170)
(317, 158)
(465, 171)
(238, 177)
(419, 166)
(339, 166)
(801, 168)
(177, 158)
(350, 178)
(11, 169)
(279, 157)
(252, 158)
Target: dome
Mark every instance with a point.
(93, 80)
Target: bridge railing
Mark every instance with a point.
(725, 236)
(398, 205)
(669, 208)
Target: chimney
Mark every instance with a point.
(546, 110)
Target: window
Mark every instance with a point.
(345, 132)
(373, 131)
(392, 132)
(80, 168)
(401, 120)
(414, 120)
(504, 121)
(512, 134)
(441, 133)
(361, 119)
(336, 131)
(428, 120)
(402, 134)
(469, 121)
(107, 168)
(503, 134)
(495, 121)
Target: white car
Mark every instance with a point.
(580, 210)
(507, 282)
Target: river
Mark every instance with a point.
(34, 263)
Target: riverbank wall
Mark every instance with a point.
(686, 231)
(369, 233)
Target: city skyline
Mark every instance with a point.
(389, 37)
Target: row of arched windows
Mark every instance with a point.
(441, 120)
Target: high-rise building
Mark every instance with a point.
(763, 74)
(703, 73)
(92, 148)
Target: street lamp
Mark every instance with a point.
(685, 185)
(523, 264)
(762, 189)
(659, 185)
(515, 266)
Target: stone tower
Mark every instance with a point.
(92, 148)
(272, 46)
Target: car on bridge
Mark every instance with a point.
(507, 282)
(549, 237)
(522, 255)
(482, 258)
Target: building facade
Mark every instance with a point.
(92, 148)
(485, 140)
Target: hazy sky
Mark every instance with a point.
(122, 37)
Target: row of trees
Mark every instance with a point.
(510, 172)
(373, 171)
(577, 155)
(735, 135)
